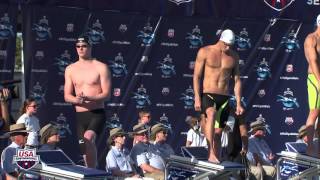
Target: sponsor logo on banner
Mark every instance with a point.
(167, 68)
(6, 28)
(243, 41)
(39, 55)
(70, 27)
(267, 126)
(188, 98)
(263, 70)
(267, 40)
(114, 122)
(122, 29)
(313, 2)
(26, 158)
(62, 62)
(146, 35)
(165, 91)
(39, 70)
(278, 5)
(5, 70)
(141, 97)
(96, 33)
(170, 33)
(261, 93)
(289, 69)
(291, 42)
(195, 38)
(289, 120)
(63, 126)
(165, 121)
(241, 63)
(288, 100)
(267, 37)
(3, 54)
(178, 2)
(61, 89)
(191, 67)
(117, 66)
(38, 94)
(42, 29)
(233, 101)
(116, 92)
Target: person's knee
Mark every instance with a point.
(218, 131)
(89, 136)
(210, 112)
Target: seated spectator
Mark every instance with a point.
(118, 161)
(18, 135)
(145, 155)
(49, 137)
(159, 133)
(259, 153)
(194, 136)
(144, 118)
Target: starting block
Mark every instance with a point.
(312, 164)
(204, 168)
(56, 164)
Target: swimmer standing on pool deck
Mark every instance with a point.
(87, 86)
(312, 53)
(219, 63)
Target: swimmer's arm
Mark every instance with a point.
(198, 70)
(237, 81)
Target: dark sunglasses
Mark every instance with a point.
(81, 46)
(34, 106)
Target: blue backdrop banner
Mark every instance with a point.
(152, 58)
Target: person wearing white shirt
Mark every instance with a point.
(194, 136)
(31, 122)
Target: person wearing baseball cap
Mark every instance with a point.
(259, 153)
(49, 137)
(159, 135)
(146, 157)
(118, 161)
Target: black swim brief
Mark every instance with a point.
(89, 120)
(219, 102)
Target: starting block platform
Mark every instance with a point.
(203, 169)
(311, 164)
(57, 165)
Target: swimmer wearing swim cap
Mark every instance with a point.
(218, 64)
(227, 36)
(312, 53)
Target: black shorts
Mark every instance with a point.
(216, 100)
(89, 120)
